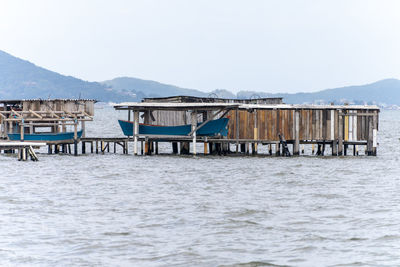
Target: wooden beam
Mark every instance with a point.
(16, 113)
(36, 114)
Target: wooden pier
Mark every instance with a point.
(24, 149)
(254, 127)
(280, 126)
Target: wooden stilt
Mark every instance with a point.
(194, 125)
(340, 139)
(277, 149)
(76, 138)
(135, 132)
(297, 133)
(175, 147)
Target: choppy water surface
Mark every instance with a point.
(121, 210)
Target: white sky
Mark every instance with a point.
(270, 46)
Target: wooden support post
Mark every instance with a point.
(83, 128)
(126, 147)
(237, 130)
(49, 149)
(278, 149)
(75, 147)
(302, 149)
(247, 148)
(370, 136)
(174, 147)
(115, 147)
(108, 147)
(63, 148)
(205, 148)
(345, 147)
(147, 148)
(102, 147)
(83, 148)
(194, 125)
(135, 132)
(375, 133)
(340, 137)
(56, 149)
(22, 131)
(243, 148)
(156, 148)
(97, 147)
(334, 148)
(91, 147)
(76, 138)
(312, 149)
(319, 150)
(296, 144)
(254, 146)
(218, 148)
(270, 149)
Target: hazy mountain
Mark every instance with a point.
(21, 79)
(384, 91)
(146, 88)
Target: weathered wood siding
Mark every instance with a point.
(314, 124)
(59, 105)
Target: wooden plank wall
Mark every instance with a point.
(60, 105)
(315, 124)
(172, 118)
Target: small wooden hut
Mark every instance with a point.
(40, 117)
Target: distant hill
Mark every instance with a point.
(21, 79)
(146, 88)
(381, 92)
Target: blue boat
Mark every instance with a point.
(211, 128)
(46, 137)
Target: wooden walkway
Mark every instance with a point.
(150, 145)
(25, 149)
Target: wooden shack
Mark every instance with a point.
(337, 126)
(38, 118)
(180, 117)
(269, 122)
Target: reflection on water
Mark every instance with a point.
(121, 210)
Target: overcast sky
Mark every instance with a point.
(271, 46)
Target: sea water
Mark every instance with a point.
(122, 210)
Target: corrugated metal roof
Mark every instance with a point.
(188, 106)
(173, 106)
(44, 100)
